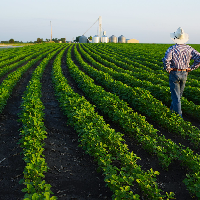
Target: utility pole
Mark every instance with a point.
(51, 30)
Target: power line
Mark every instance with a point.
(91, 26)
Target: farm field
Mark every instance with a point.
(92, 121)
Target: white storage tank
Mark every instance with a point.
(83, 39)
(113, 39)
(104, 39)
(121, 39)
(95, 39)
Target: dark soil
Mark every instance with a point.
(72, 174)
(11, 161)
(169, 180)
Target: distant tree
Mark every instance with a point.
(47, 40)
(63, 40)
(77, 39)
(39, 40)
(55, 40)
(11, 41)
(90, 38)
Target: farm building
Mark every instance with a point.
(132, 41)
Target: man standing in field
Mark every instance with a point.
(177, 64)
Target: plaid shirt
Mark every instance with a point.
(179, 55)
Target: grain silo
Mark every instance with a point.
(83, 39)
(104, 39)
(121, 39)
(95, 39)
(113, 39)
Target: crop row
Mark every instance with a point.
(160, 50)
(161, 75)
(106, 145)
(193, 79)
(151, 53)
(32, 135)
(154, 73)
(122, 173)
(143, 101)
(9, 53)
(135, 124)
(24, 52)
(130, 78)
(37, 52)
(12, 79)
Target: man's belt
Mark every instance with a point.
(179, 70)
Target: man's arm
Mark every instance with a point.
(196, 58)
(167, 60)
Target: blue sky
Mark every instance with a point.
(149, 21)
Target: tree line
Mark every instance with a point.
(39, 40)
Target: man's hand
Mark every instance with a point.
(188, 69)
